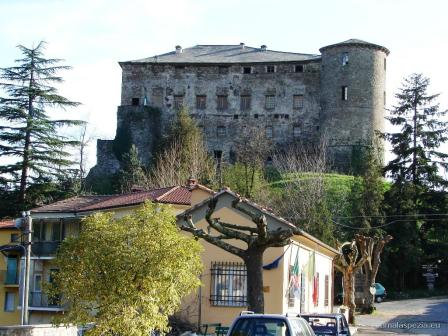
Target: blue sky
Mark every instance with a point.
(93, 35)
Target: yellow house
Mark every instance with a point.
(9, 273)
(222, 295)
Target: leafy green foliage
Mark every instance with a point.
(126, 275)
(235, 177)
(29, 140)
(131, 173)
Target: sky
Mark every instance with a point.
(92, 36)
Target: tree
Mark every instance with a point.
(421, 132)
(182, 155)
(131, 174)
(131, 273)
(257, 238)
(26, 131)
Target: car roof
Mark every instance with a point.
(321, 315)
(268, 316)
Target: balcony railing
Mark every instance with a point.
(41, 300)
(45, 248)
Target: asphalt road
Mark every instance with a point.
(411, 317)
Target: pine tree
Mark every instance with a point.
(30, 144)
(131, 173)
(421, 132)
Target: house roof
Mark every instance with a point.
(356, 43)
(225, 54)
(7, 224)
(263, 210)
(172, 195)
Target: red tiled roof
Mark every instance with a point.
(170, 195)
(7, 224)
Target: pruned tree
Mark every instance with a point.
(131, 272)
(27, 133)
(257, 238)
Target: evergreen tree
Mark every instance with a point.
(31, 148)
(131, 173)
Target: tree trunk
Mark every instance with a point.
(368, 305)
(254, 265)
(348, 281)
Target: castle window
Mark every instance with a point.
(223, 70)
(201, 102)
(221, 131)
(269, 132)
(297, 102)
(344, 59)
(270, 68)
(296, 132)
(384, 97)
(247, 70)
(276, 116)
(217, 154)
(245, 101)
(178, 101)
(256, 116)
(286, 116)
(344, 92)
(269, 102)
(135, 101)
(298, 68)
(222, 102)
(385, 64)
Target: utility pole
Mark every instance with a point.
(28, 229)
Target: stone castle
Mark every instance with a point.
(339, 94)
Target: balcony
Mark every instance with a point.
(45, 248)
(41, 301)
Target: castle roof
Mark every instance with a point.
(356, 43)
(222, 54)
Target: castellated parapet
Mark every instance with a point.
(293, 97)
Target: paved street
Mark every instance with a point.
(409, 317)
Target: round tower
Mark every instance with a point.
(353, 96)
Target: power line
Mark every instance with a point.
(386, 216)
(384, 225)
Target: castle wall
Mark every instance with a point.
(162, 84)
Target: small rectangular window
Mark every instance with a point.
(201, 102)
(385, 64)
(221, 131)
(344, 92)
(223, 70)
(297, 102)
(247, 70)
(10, 303)
(256, 115)
(37, 282)
(228, 284)
(222, 103)
(269, 132)
(270, 68)
(384, 97)
(270, 102)
(327, 284)
(135, 101)
(178, 102)
(298, 68)
(235, 116)
(14, 237)
(245, 102)
(316, 288)
(345, 59)
(296, 132)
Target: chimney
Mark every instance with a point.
(191, 182)
(178, 49)
(263, 47)
(242, 45)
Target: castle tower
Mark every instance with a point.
(353, 96)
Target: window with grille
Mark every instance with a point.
(270, 68)
(270, 102)
(269, 132)
(297, 102)
(201, 102)
(221, 131)
(229, 284)
(296, 132)
(178, 102)
(247, 70)
(344, 92)
(222, 102)
(298, 68)
(245, 102)
(345, 59)
(327, 282)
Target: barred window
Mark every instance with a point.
(178, 102)
(270, 102)
(228, 287)
(245, 102)
(297, 102)
(269, 132)
(298, 68)
(270, 68)
(326, 290)
(201, 102)
(222, 102)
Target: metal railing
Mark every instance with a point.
(45, 248)
(41, 300)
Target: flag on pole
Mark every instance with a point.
(294, 279)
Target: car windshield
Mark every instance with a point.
(322, 325)
(260, 327)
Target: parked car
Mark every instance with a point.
(250, 324)
(328, 324)
(380, 294)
